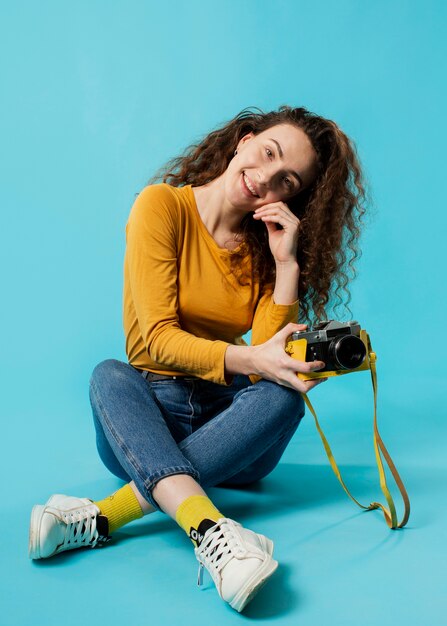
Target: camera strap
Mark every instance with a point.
(379, 447)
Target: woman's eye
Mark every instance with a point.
(288, 182)
(269, 152)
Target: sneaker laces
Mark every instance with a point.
(217, 548)
(82, 528)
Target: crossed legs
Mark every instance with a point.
(139, 441)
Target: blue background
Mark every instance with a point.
(95, 97)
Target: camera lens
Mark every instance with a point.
(347, 351)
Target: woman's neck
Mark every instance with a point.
(221, 219)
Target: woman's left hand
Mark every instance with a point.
(283, 242)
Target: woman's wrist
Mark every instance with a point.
(286, 283)
(240, 360)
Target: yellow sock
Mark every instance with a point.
(196, 515)
(120, 508)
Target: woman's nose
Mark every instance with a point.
(265, 179)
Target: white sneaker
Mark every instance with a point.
(65, 523)
(239, 561)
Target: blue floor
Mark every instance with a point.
(338, 565)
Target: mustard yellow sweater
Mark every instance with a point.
(182, 306)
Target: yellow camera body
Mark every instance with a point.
(297, 350)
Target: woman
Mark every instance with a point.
(255, 218)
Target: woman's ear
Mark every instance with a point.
(245, 138)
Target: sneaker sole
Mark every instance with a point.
(34, 531)
(254, 584)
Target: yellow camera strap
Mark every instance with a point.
(379, 446)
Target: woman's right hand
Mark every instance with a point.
(272, 362)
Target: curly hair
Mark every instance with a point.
(330, 209)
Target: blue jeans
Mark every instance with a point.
(220, 435)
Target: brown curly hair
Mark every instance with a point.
(330, 210)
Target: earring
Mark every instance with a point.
(235, 152)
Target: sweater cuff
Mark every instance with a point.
(287, 312)
(224, 378)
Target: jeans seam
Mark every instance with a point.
(148, 481)
(118, 439)
(191, 405)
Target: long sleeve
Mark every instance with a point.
(151, 268)
(270, 317)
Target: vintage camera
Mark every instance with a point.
(343, 346)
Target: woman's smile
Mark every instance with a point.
(248, 187)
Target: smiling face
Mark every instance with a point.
(272, 166)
